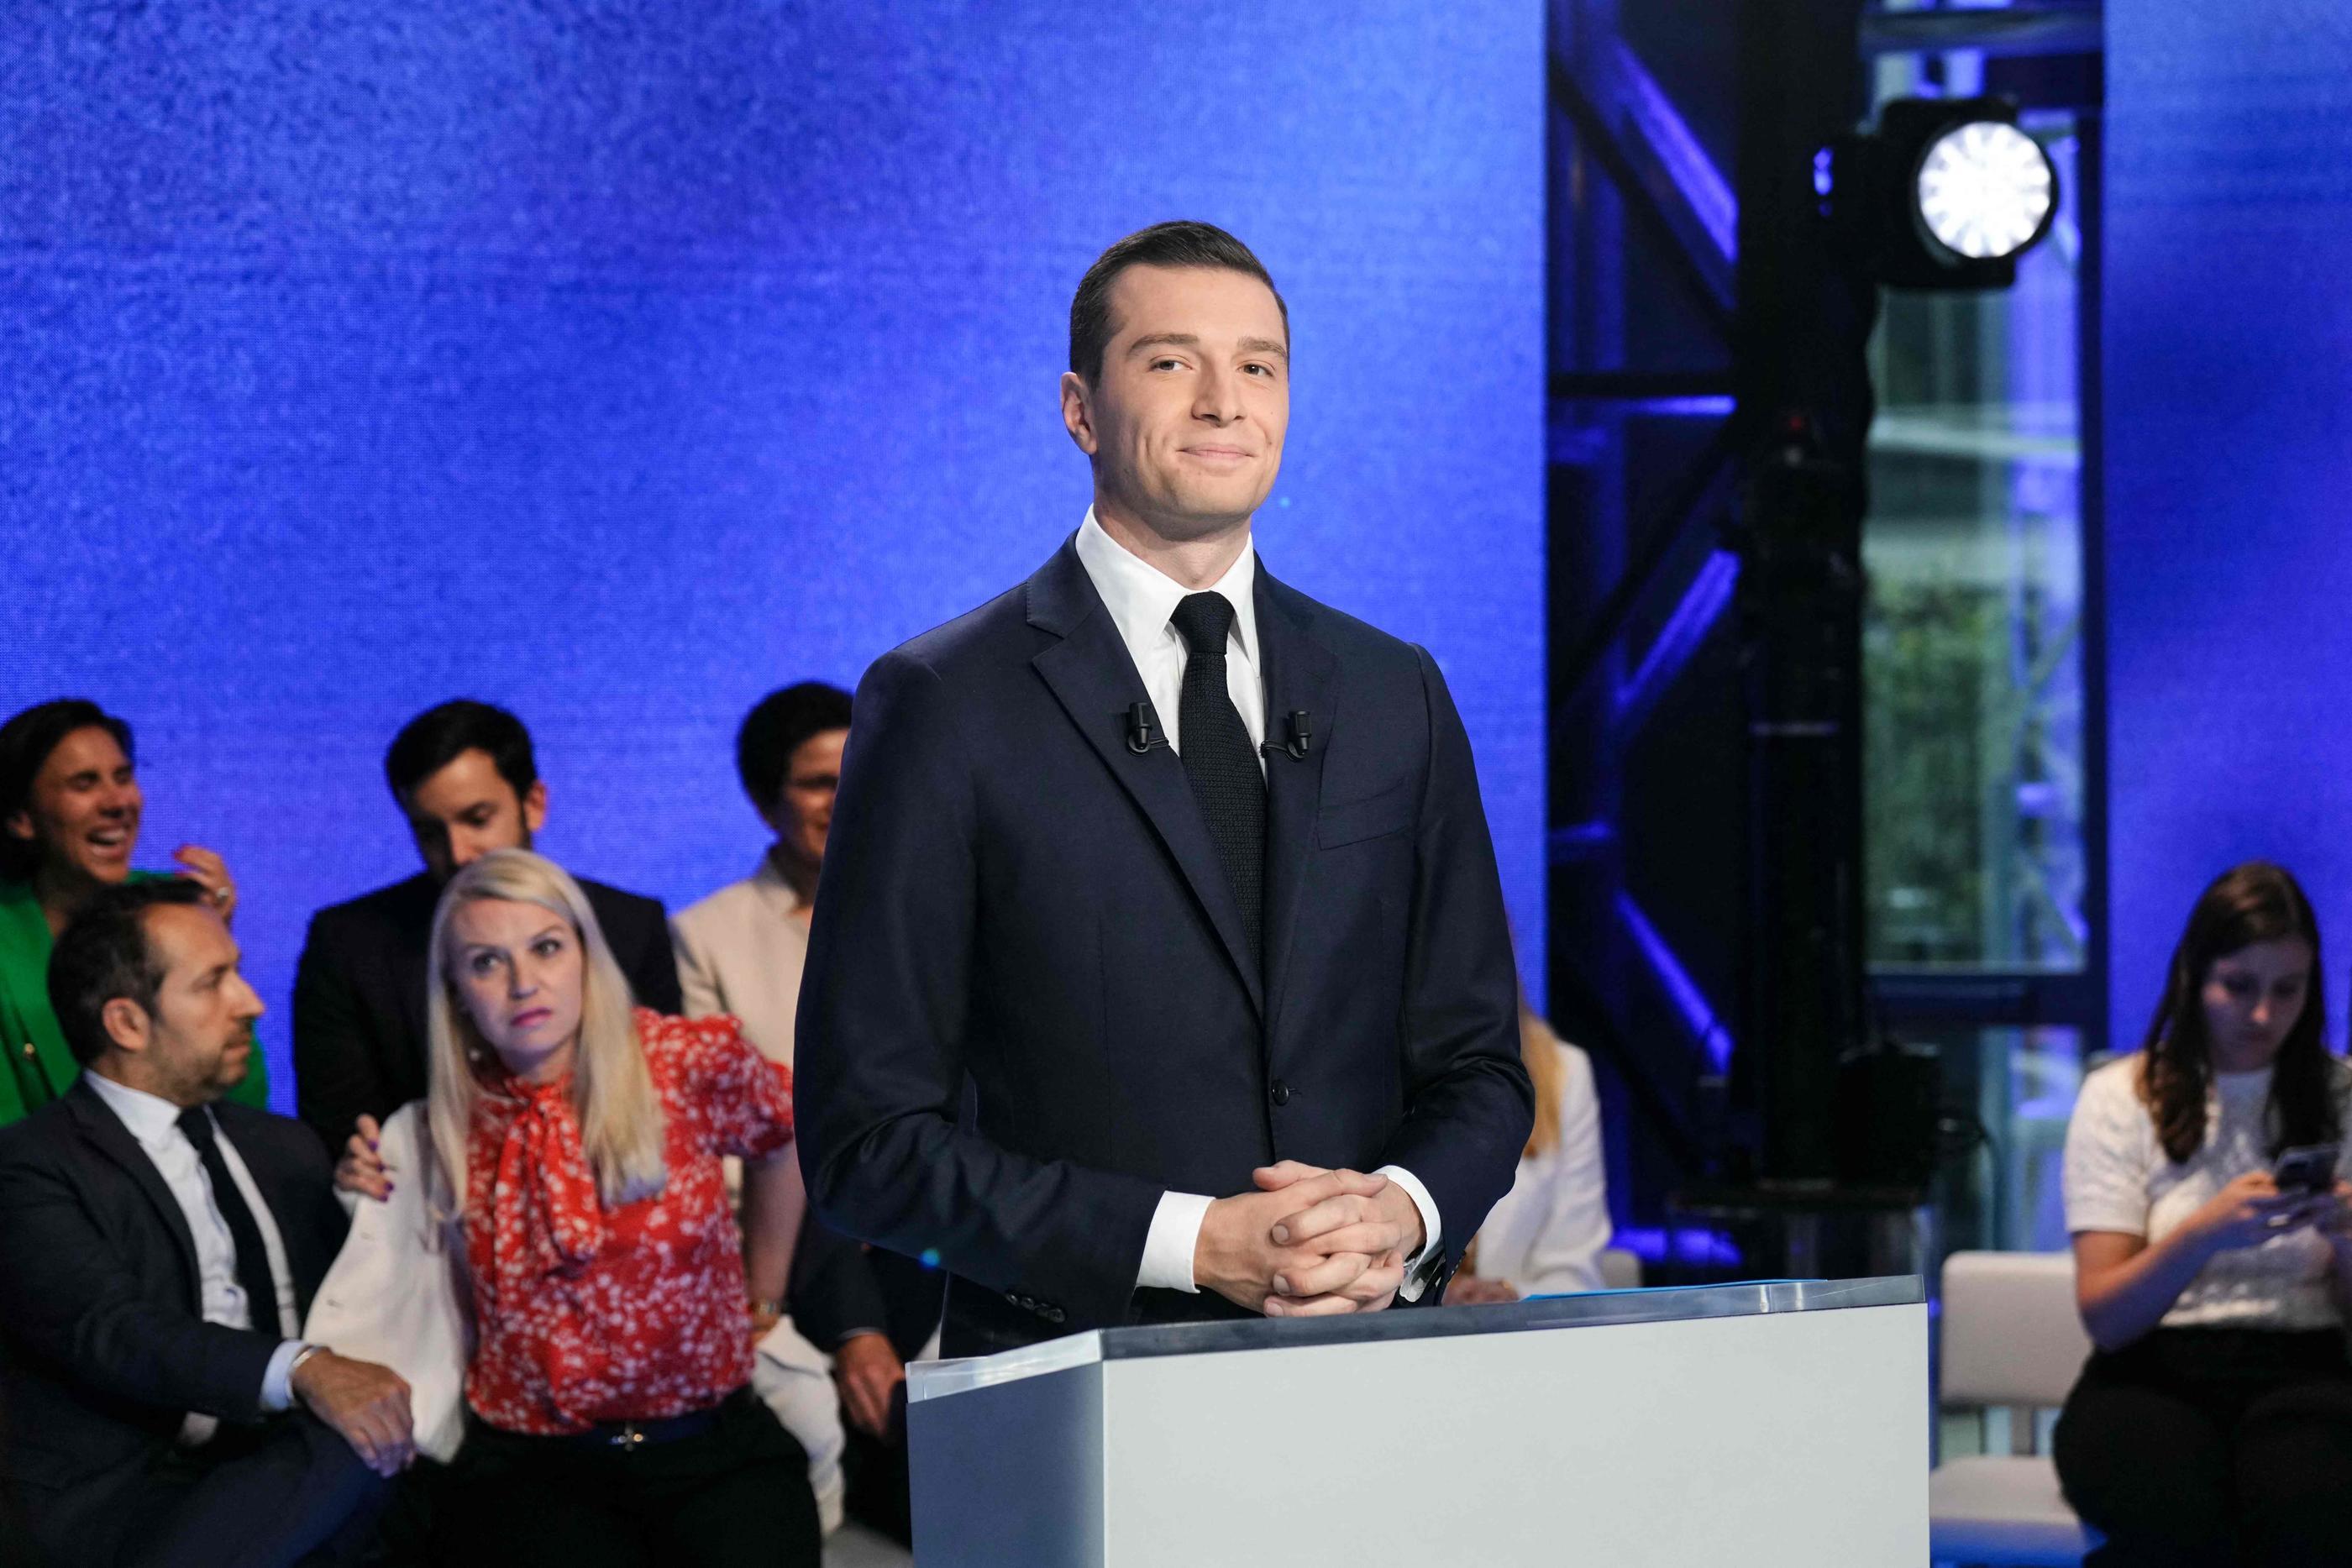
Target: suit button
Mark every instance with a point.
(1281, 1096)
(1053, 1314)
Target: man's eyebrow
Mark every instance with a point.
(1192, 341)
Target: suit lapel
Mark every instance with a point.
(1301, 675)
(105, 1132)
(1093, 678)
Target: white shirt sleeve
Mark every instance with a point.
(1430, 1234)
(278, 1382)
(2107, 1169)
(1168, 1245)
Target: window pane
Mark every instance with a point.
(2019, 1086)
(1972, 672)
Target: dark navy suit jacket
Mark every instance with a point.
(1013, 897)
(103, 1345)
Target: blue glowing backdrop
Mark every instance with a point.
(621, 363)
(2228, 463)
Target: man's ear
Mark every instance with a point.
(127, 1024)
(1076, 417)
(534, 805)
(20, 826)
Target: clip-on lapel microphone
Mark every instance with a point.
(1301, 736)
(1143, 733)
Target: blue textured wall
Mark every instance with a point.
(2228, 326)
(620, 361)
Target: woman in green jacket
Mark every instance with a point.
(69, 808)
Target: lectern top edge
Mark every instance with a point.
(941, 1379)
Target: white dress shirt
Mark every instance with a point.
(1141, 599)
(154, 1123)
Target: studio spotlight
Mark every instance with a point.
(1986, 190)
(1947, 193)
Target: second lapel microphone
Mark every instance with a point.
(1301, 736)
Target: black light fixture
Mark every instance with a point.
(1946, 194)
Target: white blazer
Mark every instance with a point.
(740, 951)
(398, 1292)
(1547, 1234)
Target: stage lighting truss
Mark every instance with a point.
(1945, 193)
(1985, 190)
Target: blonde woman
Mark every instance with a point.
(578, 1143)
(1545, 1237)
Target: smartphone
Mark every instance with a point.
(2308, 1169)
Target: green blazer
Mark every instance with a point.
(38, 1067)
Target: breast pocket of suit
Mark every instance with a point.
(1380, 816)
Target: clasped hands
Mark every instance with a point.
(1309, 1243)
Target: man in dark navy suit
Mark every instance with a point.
(159, 1248)
(467, 780)
(1161, 970)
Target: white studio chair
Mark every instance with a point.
(2012, 1339)
(1620, 1270)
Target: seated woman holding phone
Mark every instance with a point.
(2206, 1195)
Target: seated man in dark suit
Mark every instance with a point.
(464, 777)
(158, 1250)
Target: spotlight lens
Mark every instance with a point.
(1985, 190)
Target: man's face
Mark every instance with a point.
(466, 810)
(84, 811)
(1186, 421)
(803, 812)
(199, 1039)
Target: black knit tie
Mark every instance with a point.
(1219, 756)
(253, 1274)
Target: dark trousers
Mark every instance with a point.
(733, 1496)
(2206, 1447)
(875, 1483)
(287, 1491)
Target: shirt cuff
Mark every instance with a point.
(1414, 1282)
(278, 1382)
(1168, 1248)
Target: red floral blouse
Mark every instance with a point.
(587, 1313)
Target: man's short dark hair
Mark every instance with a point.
(781, 725)
(103, 952)
(25, 742)
(439, 735)
(1178, 243)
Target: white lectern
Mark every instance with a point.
(1781, 1423)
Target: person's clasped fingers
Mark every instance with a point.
(1285, 1172)
(1330, 1228)
(1329, 1306)
(1337, 1211)
(1381, 1279)
(1309, 1275)
(1333, 1213)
